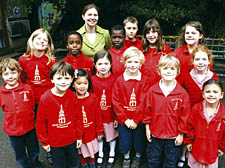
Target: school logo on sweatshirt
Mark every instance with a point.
(25, 98)
(132, 103)
(62, 119)
(176, 103)
(85, 120)
(103, 104)
(37, 77)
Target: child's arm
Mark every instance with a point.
(222, 144)
(98, 120)
(42, 126)
(148, 132)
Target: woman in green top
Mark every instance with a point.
(95, 38)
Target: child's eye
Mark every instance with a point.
(77, 42)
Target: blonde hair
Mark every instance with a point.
(169, 61)
(132, 52)
(10, 63)
(49, 52)
(130, 19)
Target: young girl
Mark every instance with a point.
(36, 64)
(92, 118)
(95, 38)
(103, 82)
(153, 47)
(205, 138)
(190, 36)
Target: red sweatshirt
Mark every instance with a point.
(182, 53)
(103, 90)
(35, 72)
(194, 91)
(127, 97)
(92, 117)
(81, 61)
(58, 122)
(137, 43)
(149, 67)
(168, 115)
(206, 138)
(18, 105)
(117, 66)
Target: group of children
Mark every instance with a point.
(139, 91)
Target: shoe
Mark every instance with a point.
(126, 163)
(49, 158)
(99, 163)
(110, 164)
(181, 163)
(135, 162)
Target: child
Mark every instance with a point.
(37, 61)
(75, 57)
(130, 24)
(103, 82)
(117, 34)
(190, 36)
(59, 124)
(206, 134)
(167, 110)
(17, 101)
(127, 94)
(36, 64)
(201, 59)
(92, 118)
(154, 47)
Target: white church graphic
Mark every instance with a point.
(37, 77)
(85, 120)
(62, 119)
(132, 103)
(103, 104)
(25, 98)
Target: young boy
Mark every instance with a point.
(127, 94)
(75, 57)
(59, 125)
(117, 35)
(167, 109)
(17, 101)
(131, 27)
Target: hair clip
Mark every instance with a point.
(75, 73)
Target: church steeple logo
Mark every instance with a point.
(61, 119)
(132, 102)
(37, 76)
(25, 98)
(85, 119)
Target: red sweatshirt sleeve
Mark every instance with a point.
(147, 110)
(42, 124)
(117, 105)
(184, 114)
(190, 128)
(79, 126)
(222, 144)
(98, 118)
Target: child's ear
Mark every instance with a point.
(222, 94)
(83, 17)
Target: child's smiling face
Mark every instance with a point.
(74, 45)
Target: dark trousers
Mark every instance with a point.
(162, 153)
(27, 142)
(129, 138)
(65, 157)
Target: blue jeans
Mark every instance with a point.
(65, 156)
(129, 138)
(27, 142)
(162, 153)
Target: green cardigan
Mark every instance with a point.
(102, 41)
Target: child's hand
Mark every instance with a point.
(115, 124)
(133, 125)
(189, 147)
(179, 140)
(148, 133)
(47, 148)
(79, 143)
(127, 123)
(220, 153)
(99, 137)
